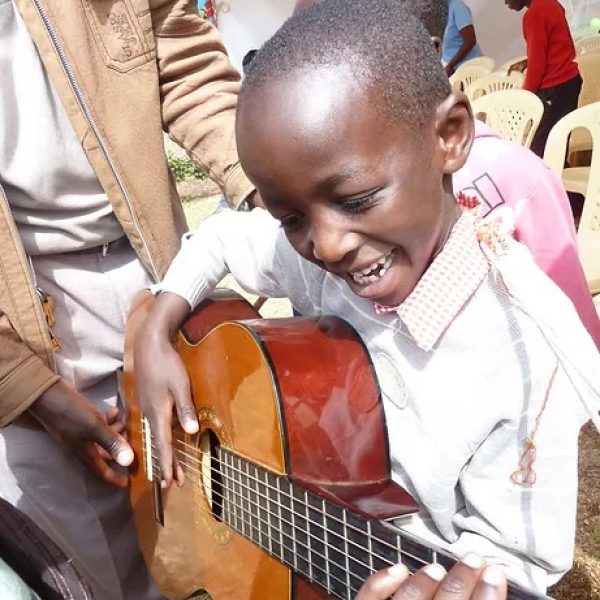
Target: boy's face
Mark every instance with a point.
(357, 192)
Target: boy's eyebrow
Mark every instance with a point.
(344, 174)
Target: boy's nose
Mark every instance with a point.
(332, 244)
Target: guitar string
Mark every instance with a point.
(233, 520)
(195, 460)
(268, 486)
(309, 521)
(289, 496)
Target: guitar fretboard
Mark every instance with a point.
(327, 544)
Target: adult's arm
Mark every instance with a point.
(24, 376)
(469, 40)
(199, 90)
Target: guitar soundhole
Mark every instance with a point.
(212, 483)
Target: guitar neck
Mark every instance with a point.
(329, 545)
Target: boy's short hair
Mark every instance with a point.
(381, 41)
(433, 14)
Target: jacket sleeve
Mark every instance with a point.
(23, 375)
(199, 89)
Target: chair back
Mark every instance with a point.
(589, 43)
(480, 61)
(588, 233)
(503, 69)
(514, 114)
(494, 82)
(465, 76)
(589, 67)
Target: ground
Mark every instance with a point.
(583, 582)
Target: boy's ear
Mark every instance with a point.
(455, 131)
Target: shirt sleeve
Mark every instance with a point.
(249, 245)
(462, 15)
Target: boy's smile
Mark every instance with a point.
(357, 192)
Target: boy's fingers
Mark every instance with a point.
(186, 412)
(383, 584)
(461, 580)
(160, 425)
(492, 585)
(422, 585)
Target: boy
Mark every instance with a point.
(552, 72)
(352, 146)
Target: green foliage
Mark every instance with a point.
(184, 168)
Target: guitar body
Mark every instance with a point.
(298, 398)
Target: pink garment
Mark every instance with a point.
(500, 172)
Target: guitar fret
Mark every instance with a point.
(370, 547)
(281, 554)
(269, 524)
(326, 538)
(347, 559)
(260, 508)
(308, 537)
(294, 541)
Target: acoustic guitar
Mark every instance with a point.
(288, 492)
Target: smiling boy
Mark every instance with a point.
(352, 146)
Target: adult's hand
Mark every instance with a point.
(162, 382)
(93, 437)
(469, 579)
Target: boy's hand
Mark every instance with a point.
(162, 382)
(93, 437)
(518, 66)
(469, 579)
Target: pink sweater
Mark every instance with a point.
(499, 172)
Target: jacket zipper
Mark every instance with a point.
(90, 120)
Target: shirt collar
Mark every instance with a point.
(445, 287)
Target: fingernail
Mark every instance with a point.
(124, 457)
(191, 427)
(163, 484)
(472, 560)
(493, 575)
(397, 570)
(435, 571)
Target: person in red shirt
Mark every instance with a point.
(552, 72)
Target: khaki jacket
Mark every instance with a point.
(124, 70)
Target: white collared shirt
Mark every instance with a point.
(465, 370)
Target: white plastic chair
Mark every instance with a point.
(589, 67)
(585, 180)
(480, 61)
(464, 76)
(494, 82)
(589, 43)
(514, 114)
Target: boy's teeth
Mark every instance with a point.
(381, 267)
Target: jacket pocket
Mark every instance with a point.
(123, 32)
